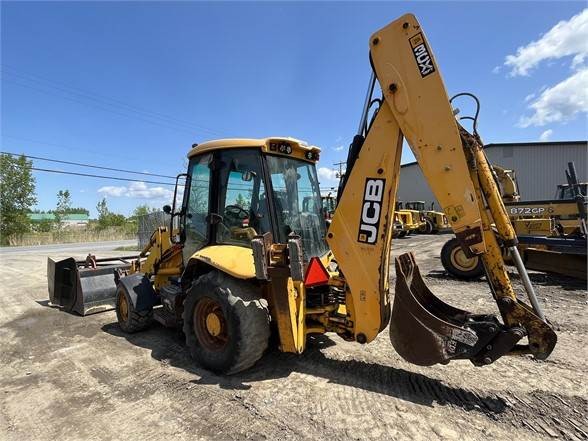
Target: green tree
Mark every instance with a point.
(78, 210)
(102, 208)
(142, 210)
(44, 226)
(17, 195)
(115, 220)
(63, 207)
(242, 202)
(106, 218)
(103, 213)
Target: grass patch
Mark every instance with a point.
(73, 235)
(128, 248)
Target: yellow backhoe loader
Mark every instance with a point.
(552, 233)
(244, 257)
(412, 220)
(433, 221)
(329, 202)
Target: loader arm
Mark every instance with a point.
(415, 106)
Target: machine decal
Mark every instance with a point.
(371, 209)
(526, 210)
(422, 55)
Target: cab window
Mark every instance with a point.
(242, 204)
(197, 205)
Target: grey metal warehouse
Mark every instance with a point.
(539, 168)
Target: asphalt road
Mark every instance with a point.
(62, 248)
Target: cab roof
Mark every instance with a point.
(266, 144)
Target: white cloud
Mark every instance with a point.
(560, 103)
(113, 191)
(327, 173)
(546, 135)
(339, 148)
(529, 97)
(139, 190)
(496, 69)
(566, 38)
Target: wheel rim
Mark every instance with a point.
(210, 325)
(123, 306)
(461, 261)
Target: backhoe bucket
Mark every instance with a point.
(85, 287)
(424, 330)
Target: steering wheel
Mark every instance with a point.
(235, 212)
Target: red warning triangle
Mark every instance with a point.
(316, 274)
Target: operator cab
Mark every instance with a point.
(566, 191)
(415, 205)
(240, 188)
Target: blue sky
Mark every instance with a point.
(132, 85)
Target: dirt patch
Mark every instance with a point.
(67, 377)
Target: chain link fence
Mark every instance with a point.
(148, 223)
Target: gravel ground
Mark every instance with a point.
(71, 378)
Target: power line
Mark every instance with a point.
(341, 172)
(88, 165)
(243, 186)
(102, 99)
(63, 172)
(93, 176)
(77, 149)
(158, 123)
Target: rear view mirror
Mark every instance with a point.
(167, 209)
(247, 176)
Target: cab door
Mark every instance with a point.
(197, 205)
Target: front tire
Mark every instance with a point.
(456, 262)
(426, 228)
(129, 319)
(226, 323)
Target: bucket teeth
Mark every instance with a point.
(424, 330)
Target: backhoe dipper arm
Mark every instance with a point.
(424, 330)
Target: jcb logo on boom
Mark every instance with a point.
(371, 210)
(421, 55)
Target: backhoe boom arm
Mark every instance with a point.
(415, 106)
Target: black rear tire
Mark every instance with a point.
(456, 262)
(129, 319)
(226, 323)
(427, 227)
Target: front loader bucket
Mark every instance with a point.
(424, 330)
(77, 286)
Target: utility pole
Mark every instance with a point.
(340, 173)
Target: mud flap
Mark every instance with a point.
(76, 286)
(425, 331)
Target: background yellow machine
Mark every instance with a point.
(433, 221)
(552, 233)
(248, 254)
(412, 220)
